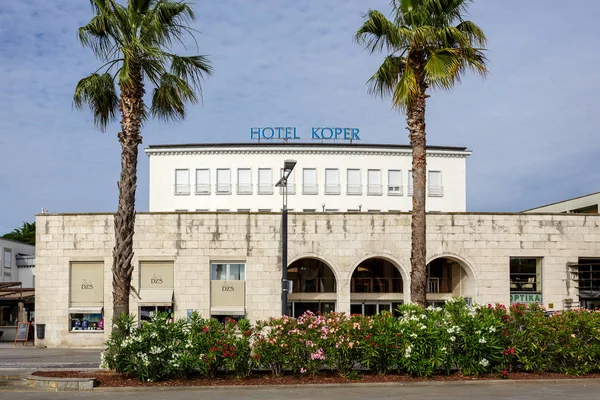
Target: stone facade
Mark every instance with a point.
(481, 243)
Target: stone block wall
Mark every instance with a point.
(481, 243)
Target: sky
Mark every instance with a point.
(532, 124)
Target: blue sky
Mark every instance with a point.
(532, 124)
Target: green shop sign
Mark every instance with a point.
(526, 298)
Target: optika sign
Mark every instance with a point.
(291, 132)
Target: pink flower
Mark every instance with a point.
(573, 335)
(302, 370)
(351, 345)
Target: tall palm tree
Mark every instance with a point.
(134, 42)
(429, 44)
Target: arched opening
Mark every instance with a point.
(314, 287)
(311, 275)
(446, 277)
(376, 285)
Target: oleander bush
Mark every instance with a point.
(471, 340)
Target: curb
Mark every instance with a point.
(350, 384)
(60, 384)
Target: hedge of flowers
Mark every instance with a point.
(472, 340)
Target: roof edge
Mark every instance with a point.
(299, 144)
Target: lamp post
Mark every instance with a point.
(288, 166)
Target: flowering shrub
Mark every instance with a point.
(472, 340)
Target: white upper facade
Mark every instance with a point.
(327, 177)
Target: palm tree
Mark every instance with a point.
(134, 42)
(429, 44)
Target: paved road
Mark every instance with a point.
(490, 391)
(21, 357)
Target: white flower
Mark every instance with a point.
(452, 338)
(408, 351)
(484, 362)
(413, 335)
(491, 329)
(482, 340)
(443, 349)
(478, 332)
(421, 326)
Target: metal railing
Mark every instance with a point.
(375, 189)
(308, 188)
(202, 188)
(182, 189)
(433, 285)
(244, 188)
(315, 285)
(353, 189)
(291, 188)
(376, 285)
(332, 189)
(223, 188)
(436, 191)
(265, 188)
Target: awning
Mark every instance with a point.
(156, 297)
(228, 311)
(86, 310)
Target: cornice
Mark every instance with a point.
(401, 153)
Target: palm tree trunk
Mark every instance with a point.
(132, 108)
(416, 125)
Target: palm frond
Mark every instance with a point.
(97, 35)
(99, 94)
(383, 82)
(192, 69)
(473, 32)
(406, 89)
(169, 98)
(378, 33)
(442, 68)
(167, 22)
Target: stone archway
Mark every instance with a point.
(376, 285)
(449, 275)
(314, 286)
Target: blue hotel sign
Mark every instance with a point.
(290, 132)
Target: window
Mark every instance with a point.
(354, 185)
(297, 308)
(309, 210)
(525, 275)
(86, 297)
(410, 183)
(265, 181)
(244, 185)
(332, 181)
(202, 181)
(223, 181)
(264, 210)
(369, 309)
(374, 182)
(243, 210)
(228, 272)
(309, 181)
(434, 181)
(395, 182)
(156, 289)
(181, 210)
(7, 258)
(8, 315)
(201, 209)
(182, 181)
(332, 209)
(291, 182)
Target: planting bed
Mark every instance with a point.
(113, 379)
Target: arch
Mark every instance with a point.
(404, 273)
(455, 257)
(325, 260)
(382, 281)
(312, 275)
(446, 277)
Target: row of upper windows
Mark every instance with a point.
(332, 185)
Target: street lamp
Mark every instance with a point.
(288, 166)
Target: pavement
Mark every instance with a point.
(525, 390)
(19, 359)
